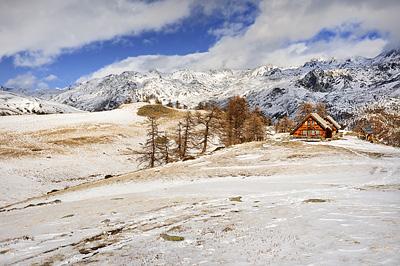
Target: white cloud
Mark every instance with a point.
(43, 85)
(282, 34)
(51, 78)
(26, 80)
(299, 53)
(143, 63)
(38, 31)
(32, 59)
(229, 29)
(285, 23)
(29, 81)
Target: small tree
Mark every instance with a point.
(187, 133)
(149, 148)
(320, 109)
(200, 106)
(162, 144)
(147, 99)
(237, 111)
(254, 128)
(169, 104)
(184, 137)
(155, 151)
(127, 101)
(284, 125)
(266, 120)
(257, 111)
(178, 151)
(210, 123)
(303, 110)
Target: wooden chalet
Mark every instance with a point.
(366, 133)
(333, 124)
(313, 127)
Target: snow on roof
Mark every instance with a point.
(333, 122)
(368, 130)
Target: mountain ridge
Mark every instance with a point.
(342, 84)
(17, 104)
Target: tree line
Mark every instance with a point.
(235, 124)
(148, 99)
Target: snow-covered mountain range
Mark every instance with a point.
(342, 84)
(15, 104)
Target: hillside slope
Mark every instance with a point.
(41, 153)
(278, 202)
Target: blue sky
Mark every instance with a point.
(49, 44)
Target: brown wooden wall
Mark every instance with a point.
(309, 128)
(365, 136)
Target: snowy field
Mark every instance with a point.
(41, 153)
(277, 202)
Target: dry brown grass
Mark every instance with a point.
(315, 201)
(391, 187)
(155, 110)
(296, 156)
(58, 132)
(352, 133)
(66, 140)
(85, 140)
(9, 152)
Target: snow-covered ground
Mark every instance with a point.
(278, 202)
(41, 153)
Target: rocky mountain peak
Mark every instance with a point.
(343, 84)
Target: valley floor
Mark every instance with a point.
(277, 202)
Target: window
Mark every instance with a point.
(309, 122)
(313, 132)
(317, 132)
(304, 132)
(313, 122)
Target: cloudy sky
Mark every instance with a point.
(49, 44)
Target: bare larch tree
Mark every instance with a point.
(149, 148)
(210, 123)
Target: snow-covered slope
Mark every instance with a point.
(343, 84)
(45, 152)
(11, 104)
(281, 203)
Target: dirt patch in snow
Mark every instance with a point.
(389, 187)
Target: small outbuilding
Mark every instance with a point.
(313, 127)
(366, 133)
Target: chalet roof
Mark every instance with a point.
(367, 130)
(333, 122)
(317, 118)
